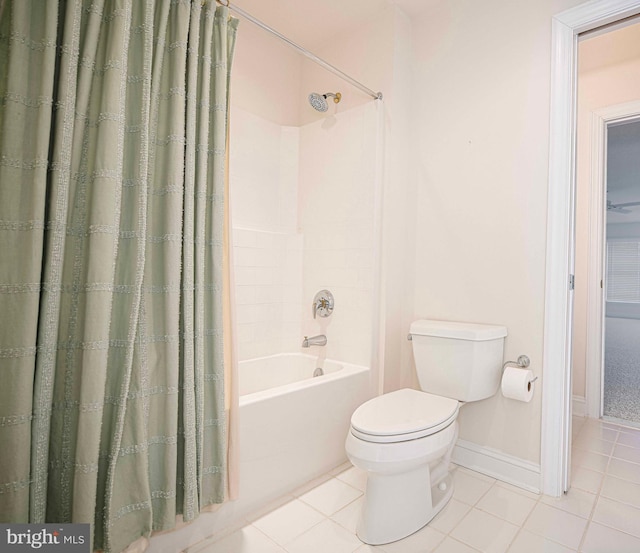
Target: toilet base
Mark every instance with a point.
(404, 494)
(396, 506)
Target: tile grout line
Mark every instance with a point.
(284, 546)
(598, 495)
(473, 506)
(327, 517)
(562, 511)
(268, 537)
(522, 527)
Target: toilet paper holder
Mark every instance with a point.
(523, 362)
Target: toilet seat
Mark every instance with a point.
(403, 415)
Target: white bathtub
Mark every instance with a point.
(285, 371)
(293, 425)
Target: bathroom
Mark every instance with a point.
(447, 179)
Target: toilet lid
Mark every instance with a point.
(401, 413)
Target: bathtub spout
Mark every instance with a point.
(320, 340)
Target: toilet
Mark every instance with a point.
(404, 439)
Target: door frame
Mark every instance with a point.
(600, 121)
(556, 382)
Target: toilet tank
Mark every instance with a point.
(462, 361)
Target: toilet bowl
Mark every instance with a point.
(404, 441)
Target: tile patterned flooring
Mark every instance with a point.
(600, 514)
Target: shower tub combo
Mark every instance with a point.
(293, 425)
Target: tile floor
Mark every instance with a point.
(600, 514)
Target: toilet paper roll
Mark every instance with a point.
(517, 384)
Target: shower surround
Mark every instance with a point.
(303, 217)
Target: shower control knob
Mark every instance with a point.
(322, 304)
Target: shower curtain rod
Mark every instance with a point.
(303, 51)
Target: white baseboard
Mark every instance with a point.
(513, 470)
(579, 408)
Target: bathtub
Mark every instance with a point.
(293, 425)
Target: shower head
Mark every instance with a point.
(319, 101)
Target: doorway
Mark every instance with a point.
(608, 102)
(556, 420)
(608, 105)
(621, 359)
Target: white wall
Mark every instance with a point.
(481, 107)
(263, 181)
(263, 172)
(336, 213)
(608, 74)
(266, 76)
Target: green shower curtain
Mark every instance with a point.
(113, 126)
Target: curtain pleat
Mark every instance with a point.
(28, 67)
(113, 130)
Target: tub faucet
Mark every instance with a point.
(320, 340)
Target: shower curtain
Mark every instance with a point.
(113, 263)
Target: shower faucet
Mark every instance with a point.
(320, 340)
(323, 304)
